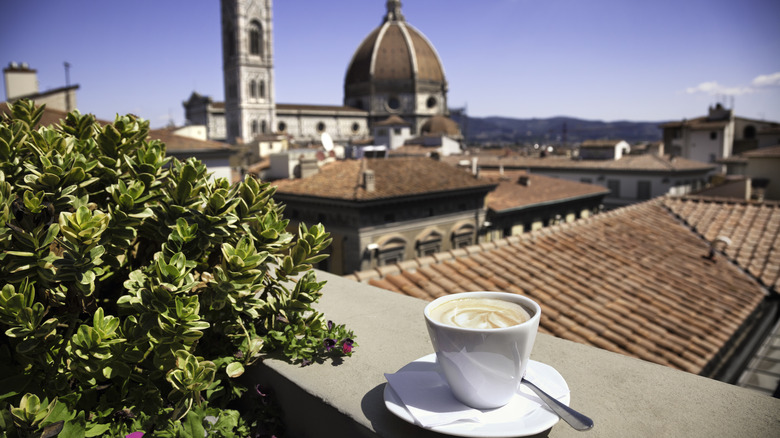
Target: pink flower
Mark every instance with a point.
(346, 347)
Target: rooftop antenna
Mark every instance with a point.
(67, 73)
(67, 84)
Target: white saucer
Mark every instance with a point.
(535, 422)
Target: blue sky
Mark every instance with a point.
(593, 59)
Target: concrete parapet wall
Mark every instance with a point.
(624, 396)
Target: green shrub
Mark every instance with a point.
(136, 290)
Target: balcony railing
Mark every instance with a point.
(624, 396)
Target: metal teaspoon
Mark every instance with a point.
(567, 414)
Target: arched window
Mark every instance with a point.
(254, 127)
(252, 89)
(264, 127)
(262, 89)
(463, 236)
(428, 243)
(391, 251)
(255, 39)
(749, 132)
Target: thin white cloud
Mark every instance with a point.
(714, 88)
(771, 80)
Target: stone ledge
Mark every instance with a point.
(624, 396)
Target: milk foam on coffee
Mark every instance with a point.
(480, 313)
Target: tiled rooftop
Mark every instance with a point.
(703, 122)
(393, 177)
(176, 143)
(768, 152)
(633, 280)
(510, 194)
(646, 162)
(754, 231)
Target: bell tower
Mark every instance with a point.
(247, 64)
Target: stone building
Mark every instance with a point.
(720, 134)
(524, 202)
(383, 211)
(247, 54)
(394, 71)
(630, 179)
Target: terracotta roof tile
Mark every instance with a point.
(511, 194)
(394, 177)
(754, 231)
(633, 280)
(766, 152)
(645, 162)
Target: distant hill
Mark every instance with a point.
(551, 130)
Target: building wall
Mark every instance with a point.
(450, 146)
(766, 167)
(216, 126)
(355, 228)
(391, 136)
(63, 101)
(701, 146)
(266, 148)
(628, 183)
(220, 168)
(20, 81)
(193, 131)
(341, 127)
(511, 223)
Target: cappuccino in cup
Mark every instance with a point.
(480, 313)
(483, 343)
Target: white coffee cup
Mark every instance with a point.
(484, 366)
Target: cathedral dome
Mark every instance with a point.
(396, 70)
(395, 51)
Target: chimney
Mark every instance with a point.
(369, 180)
(524, 180)
(718, 245)
(308, 166)
(20, 80)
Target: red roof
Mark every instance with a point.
(633, 280)
(394, 177)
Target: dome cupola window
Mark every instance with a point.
(393, 103)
